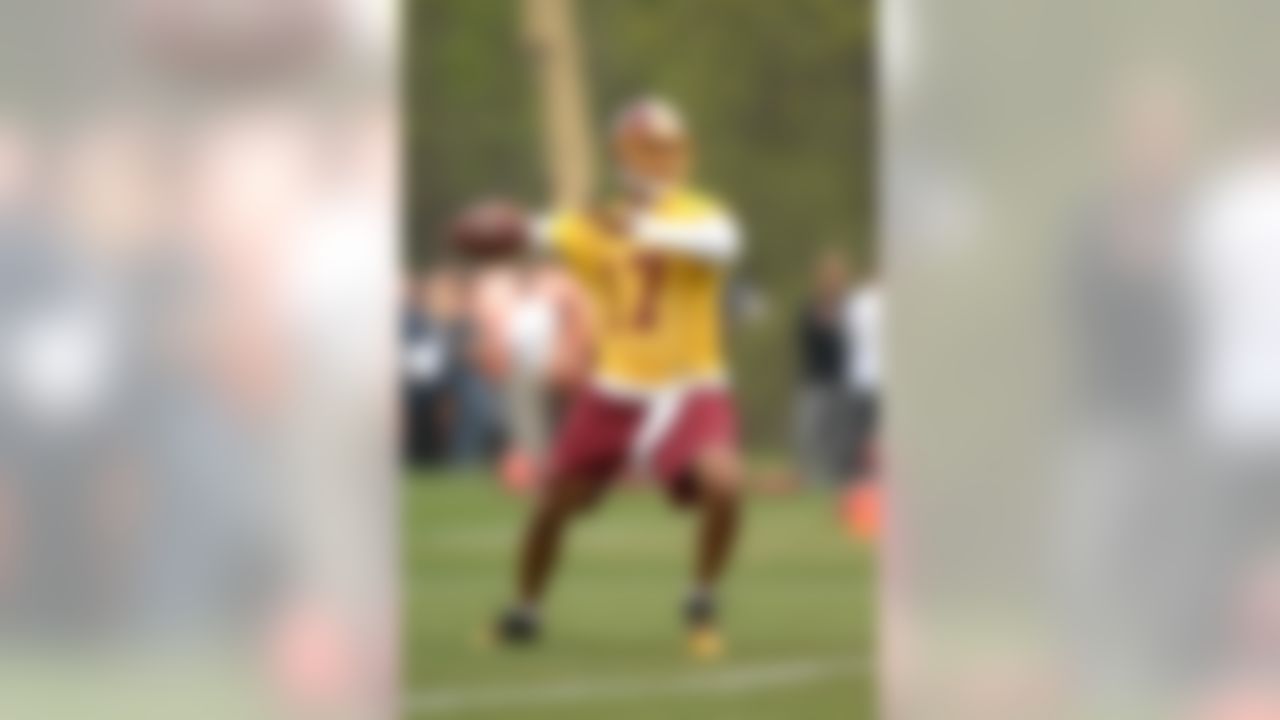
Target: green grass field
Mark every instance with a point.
(798, 614)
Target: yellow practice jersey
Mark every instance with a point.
(659, 307)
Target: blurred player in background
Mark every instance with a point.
(654, 263)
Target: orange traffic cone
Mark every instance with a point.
(860, 511)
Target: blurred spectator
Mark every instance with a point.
(487, 359)
(531, 334)
(535, 344)
(1123, 500)
(113, 447)
(821, 413)
(1127, 345)
(1234, 258)
(1233, 263)
(475, 425)
(864, 370)
(448, 412)
(424, 366)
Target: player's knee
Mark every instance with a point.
(556, 507)
(721, 475)
(565, 498)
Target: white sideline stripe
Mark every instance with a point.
(741, 679)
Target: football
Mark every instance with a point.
(490, 229)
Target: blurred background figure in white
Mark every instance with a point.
(1121, 301)
(821, 415)
(864, 319)
(1235, 540)
(533, 328)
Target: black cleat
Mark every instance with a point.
(700, 611)
(517, 628)
(704, 641)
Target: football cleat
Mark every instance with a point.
(700, 610)
(515, 628)
(705, 644)
(704, 640)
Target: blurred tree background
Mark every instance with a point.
(779, 94)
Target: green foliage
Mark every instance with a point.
(472, 115)
(779, 93)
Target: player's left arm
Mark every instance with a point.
(713, 237)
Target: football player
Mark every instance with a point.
(654, 262)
